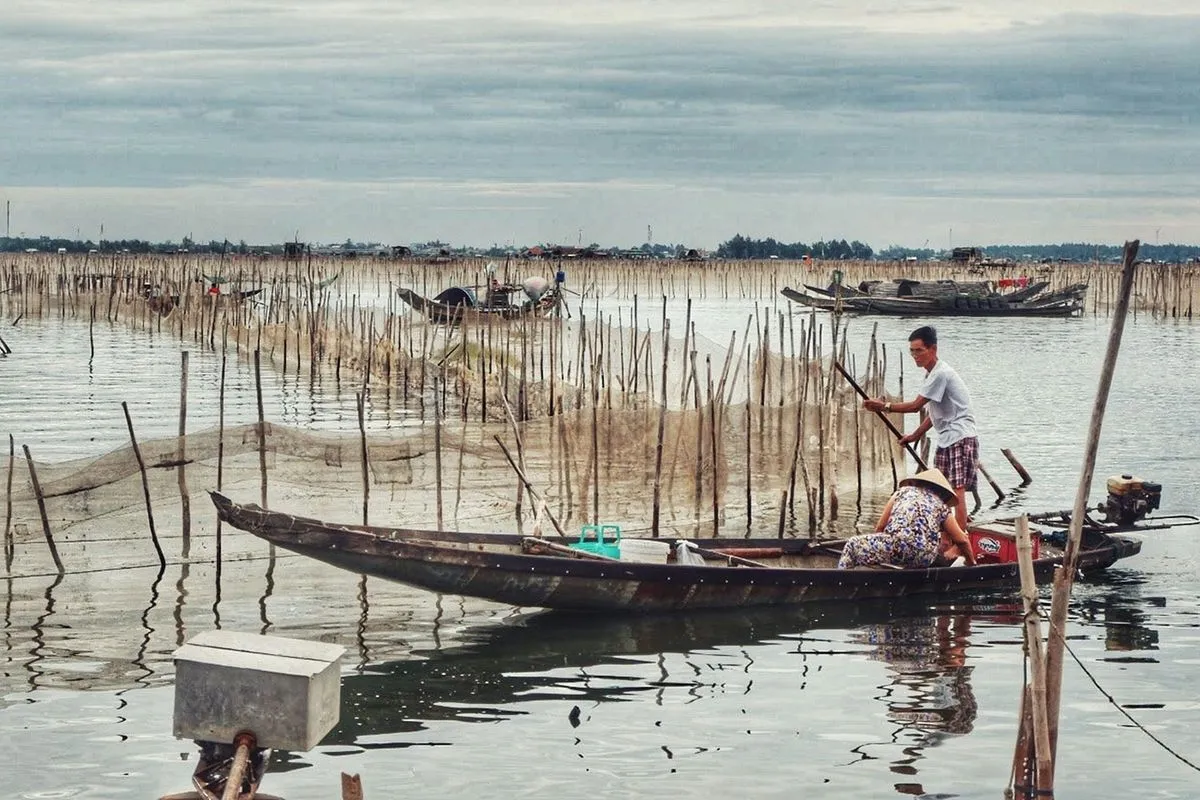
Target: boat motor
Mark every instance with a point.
(1130, 499)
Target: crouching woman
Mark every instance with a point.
(916, 527)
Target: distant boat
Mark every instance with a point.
(905, 297)
(455, 303)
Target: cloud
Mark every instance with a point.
(926, 101)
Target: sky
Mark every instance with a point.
(893, 122)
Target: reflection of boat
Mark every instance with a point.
(531, 572)
(525, 662)
(456, 302)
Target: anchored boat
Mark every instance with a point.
(669, 575)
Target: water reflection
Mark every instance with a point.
(1115, 601)
(524, 662)
(929, 695)
(39, 650)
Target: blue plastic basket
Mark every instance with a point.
(603, 540)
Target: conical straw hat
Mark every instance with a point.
(933, 478)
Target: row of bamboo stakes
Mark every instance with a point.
(1169, 290)
(402, 352)
(1034, 756)
(302, 323)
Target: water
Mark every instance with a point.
(446, 697)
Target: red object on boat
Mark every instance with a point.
(998, 546)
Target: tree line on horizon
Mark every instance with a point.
(744, 247)
(738, 247)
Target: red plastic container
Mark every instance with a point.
(998, 546)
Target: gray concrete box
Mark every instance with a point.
(286, 691)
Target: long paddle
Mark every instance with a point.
(880, 414)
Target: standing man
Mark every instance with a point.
(949, 415)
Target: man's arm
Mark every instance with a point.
(895, 406)
(918, 433)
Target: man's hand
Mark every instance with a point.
(874, 404)
(909, 438)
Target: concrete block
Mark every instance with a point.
(286, 691)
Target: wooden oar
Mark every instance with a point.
(911, 450)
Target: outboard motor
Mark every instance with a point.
(1130, 499)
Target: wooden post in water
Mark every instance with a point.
(1035, 706)
(220, 462)
(41, 502)
(8, 536)
(262, 429)
(137, 452)
(662, 428)
(185, 501)
(439, 386)
(362, 437)
(1026, 479)
(1064, 577)
(995, 486)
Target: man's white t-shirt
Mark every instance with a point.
(949, 404)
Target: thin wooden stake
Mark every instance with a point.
(1037, 670)
(1065, 577)
(262, 431)
(9, 546)
(41, 501)
(1026, 479)
(137, 452)
(662, 429)
(366, 474)
(185, 499)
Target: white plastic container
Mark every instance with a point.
(651, 551)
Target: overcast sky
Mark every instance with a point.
(888, 121)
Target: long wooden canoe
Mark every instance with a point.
(462, 304)
(507, 568)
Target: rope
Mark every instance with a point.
(1126, 714)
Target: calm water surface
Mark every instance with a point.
(446, 697)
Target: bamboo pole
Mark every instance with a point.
(1064, 577)
(41, 503)
(362, 437)
(438, 385)
(1026, 479)
(528, 486)
(220, 462)
(137, 452)
(662, 429)
(261, 430)
(185, 500)
(9, 546)
(1033, 647)
(995, 486)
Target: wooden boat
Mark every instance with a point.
(821, 302)
(961, 307)
(733, 573)
(941, 298)
(456, 302)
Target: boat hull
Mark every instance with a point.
(478, 565)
